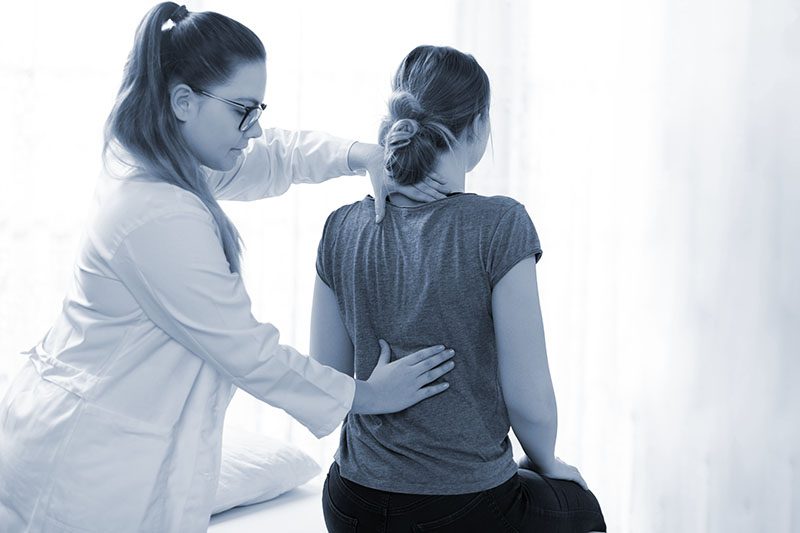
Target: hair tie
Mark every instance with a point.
(179, 14)
(401, 133)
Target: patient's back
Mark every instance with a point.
(423, 277)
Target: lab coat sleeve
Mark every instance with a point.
(272, 162)
(175, 268)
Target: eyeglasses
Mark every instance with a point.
(251, 113)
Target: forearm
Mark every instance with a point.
(537, 437)
(279, 158)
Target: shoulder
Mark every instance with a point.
(347, 221)
(357, 212)
(491, 203)
(503, 223)
(489, 209)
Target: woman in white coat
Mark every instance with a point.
(115, 422)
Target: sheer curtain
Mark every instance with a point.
(654, 144)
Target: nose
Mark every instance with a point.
(254, 131)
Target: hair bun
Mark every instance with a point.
(400, 133)
(437, 94)
(403, 122)
(403, 104)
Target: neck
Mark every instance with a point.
(449, 168)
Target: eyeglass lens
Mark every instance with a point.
(250, 118)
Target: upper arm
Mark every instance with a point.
(330, 342)
(519, 331)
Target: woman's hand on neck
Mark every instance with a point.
(450, 168)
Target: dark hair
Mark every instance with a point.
(437, 93)
(172, 45)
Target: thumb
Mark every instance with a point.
(383, 358)
(380, 206)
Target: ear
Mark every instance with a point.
(477, 125)
(183, 102)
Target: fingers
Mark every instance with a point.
(428, 192)
(434, 361)
(383, 358)
(377, 177)
(580, 481)
(436, 181)
(573, 474)
(432, 390)
(577, 478)
(424, 354)
(436, 373)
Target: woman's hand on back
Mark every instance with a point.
(397, 385)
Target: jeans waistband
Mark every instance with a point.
(379, 499)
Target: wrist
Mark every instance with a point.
(546, 465)
(363, 399)
(361, 155)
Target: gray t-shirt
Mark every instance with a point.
(423, 277)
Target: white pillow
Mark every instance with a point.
(256, 468)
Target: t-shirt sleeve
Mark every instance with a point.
(175, 268)
(514, 239)
(324, 251)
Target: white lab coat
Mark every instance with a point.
(115, 422)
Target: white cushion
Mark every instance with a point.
(256, 468)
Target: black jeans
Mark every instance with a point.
(527, 502)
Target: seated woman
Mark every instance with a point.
(461, 272)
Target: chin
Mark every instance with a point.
(224, 164)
